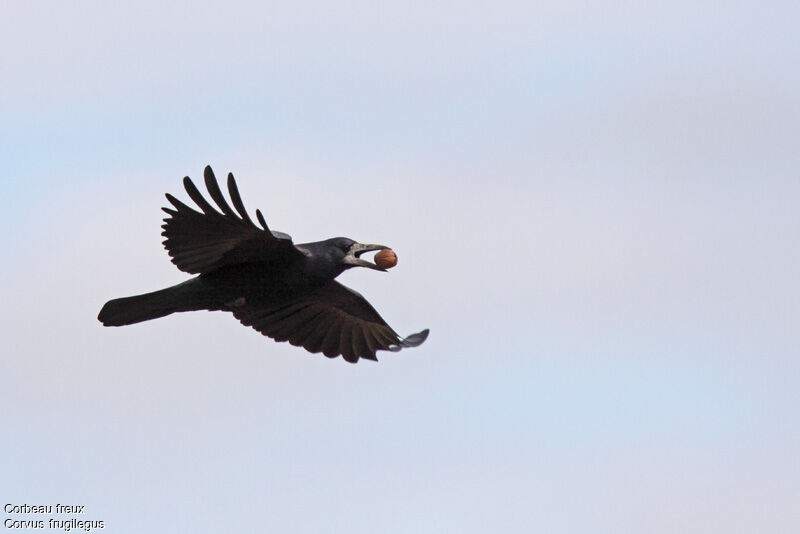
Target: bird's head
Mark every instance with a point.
(330, 258)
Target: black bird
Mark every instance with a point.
(283, 290)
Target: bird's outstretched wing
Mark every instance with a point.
(328, 318)
(201, 242)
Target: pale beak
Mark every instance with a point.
(356, 250)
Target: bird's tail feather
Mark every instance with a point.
(130, 310)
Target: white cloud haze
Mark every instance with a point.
(595, 209)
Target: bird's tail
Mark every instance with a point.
(129, 310)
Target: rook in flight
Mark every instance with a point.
(285, 291)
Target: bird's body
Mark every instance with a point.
(285, 291)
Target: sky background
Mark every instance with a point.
(595, 209)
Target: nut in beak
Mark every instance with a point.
(356, 250)
(386, 258)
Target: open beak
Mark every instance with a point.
(356, 250)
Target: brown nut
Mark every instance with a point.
(386, 258)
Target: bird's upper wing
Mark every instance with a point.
(328, 318)
(200, 242)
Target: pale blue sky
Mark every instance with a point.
(595, 208)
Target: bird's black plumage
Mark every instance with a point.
(283, 290)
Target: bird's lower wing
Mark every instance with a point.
(200, 242)
(329, 318)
